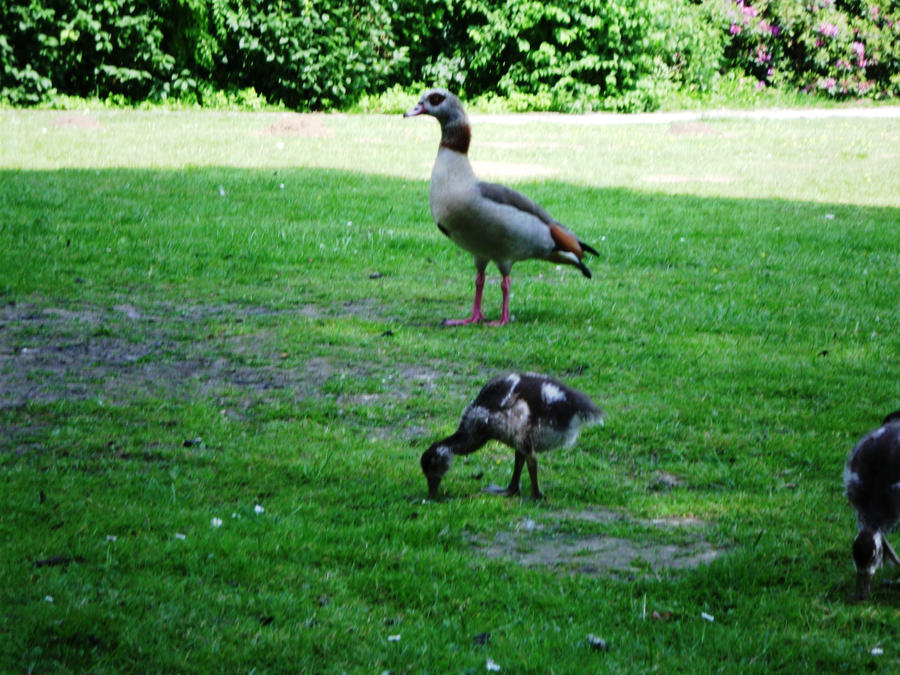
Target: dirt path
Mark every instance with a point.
(686, 116)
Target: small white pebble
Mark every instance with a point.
(110, 537)
(876, 651)
(216, 522)
(394, 638)
(221, 190)
(829, 216)
(258, 509)
(181, 536)
(48, 598)
(492, 666)
(281, 186)
(707, 617)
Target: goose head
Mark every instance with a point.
(441, 104)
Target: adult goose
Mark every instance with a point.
(531, 413)
(872, 481)
(492, 222)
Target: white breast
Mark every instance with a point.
(452, 183)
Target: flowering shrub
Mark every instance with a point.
(835, 48)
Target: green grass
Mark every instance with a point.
(197, 318)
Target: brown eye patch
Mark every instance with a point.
(436, 99)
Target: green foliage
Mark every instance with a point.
(306, 55)
(565, 55)
(573, 55)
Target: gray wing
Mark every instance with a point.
(504, 195)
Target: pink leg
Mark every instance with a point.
(477, 316)
(504, 311)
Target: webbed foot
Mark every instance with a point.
(501, 491)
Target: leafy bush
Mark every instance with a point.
(568, 55)
(304, 54)
(574, 54)
(307, 55)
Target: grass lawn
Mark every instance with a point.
(221, 358)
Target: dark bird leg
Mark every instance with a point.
(531, 461)
(513, 489)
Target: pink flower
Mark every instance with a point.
(827, 83)
(735, 29)
(859, 49)
(828, 29)
(775, 31)
(748, 11)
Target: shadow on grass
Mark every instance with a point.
(320, 234)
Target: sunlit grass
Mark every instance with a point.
(199, 317)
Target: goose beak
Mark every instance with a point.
(417, 109)
(863, 585)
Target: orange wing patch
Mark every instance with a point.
(566, 241)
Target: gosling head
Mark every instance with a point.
(870, 550)
(436, 461)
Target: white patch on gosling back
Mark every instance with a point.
(850, 476)
(551, 393)
(513, 379)
(877, 433)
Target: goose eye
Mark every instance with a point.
(435, 99)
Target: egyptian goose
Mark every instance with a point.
(490, 221)
(872, 481)
(530, 413)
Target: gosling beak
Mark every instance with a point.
(433, 484)
(863, 585)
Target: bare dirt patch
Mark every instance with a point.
(293, 124)
(126, 352)
(692, 128)
(651, 549)
(76, 121)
